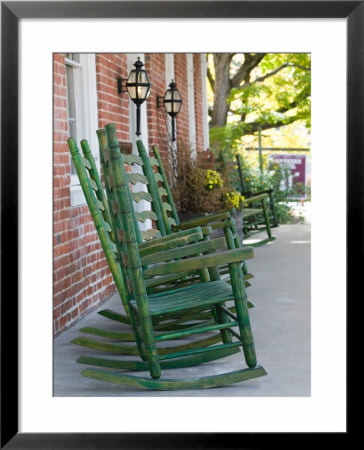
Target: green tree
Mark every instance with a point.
(257, 91)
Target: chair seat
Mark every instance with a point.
(194, 296)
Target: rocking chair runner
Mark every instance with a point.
(199, 296)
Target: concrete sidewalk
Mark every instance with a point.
(281, 326)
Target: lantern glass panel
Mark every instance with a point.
(177, 95)
(132, 92)
(176, 106)
(143, 91)
(168, 106)
(132, 77)
(168, 95)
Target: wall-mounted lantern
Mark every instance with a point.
(137, 86)
(172, 101)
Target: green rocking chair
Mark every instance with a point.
(99, 207)
(257, 212)
(262, 203)
(209, 294)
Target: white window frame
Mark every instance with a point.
(205, 107)
(169, 76)
(191, 103)
(169, 68)
(86, 114)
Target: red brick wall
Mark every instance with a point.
(81, 275)
(61, 197)
(112, 107)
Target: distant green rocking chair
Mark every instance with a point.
(235, 329)
(256, 212)
(258, 222)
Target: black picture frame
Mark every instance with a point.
(11, 12)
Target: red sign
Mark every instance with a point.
(297, 166)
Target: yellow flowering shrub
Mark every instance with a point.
(233, 199)
(213, 179)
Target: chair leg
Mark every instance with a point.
(229, 237)
(266, 218)
(238, 243)
(223, 318)
(273, 208)
(151, 348)
(243, 314)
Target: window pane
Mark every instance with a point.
(72, 128)
(73, 57)
(71, 94)
(71, 106)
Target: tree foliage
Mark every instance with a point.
(257, 91)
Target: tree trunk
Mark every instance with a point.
(222, 87)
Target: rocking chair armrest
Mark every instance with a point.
(203, 220)
(169, 237)
(256, 198)
(264, 191)
(202, 262)
(185, 251)
(175, 240)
